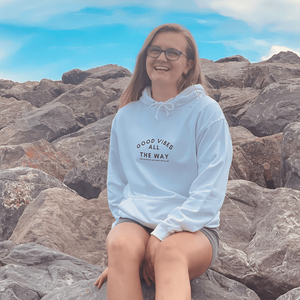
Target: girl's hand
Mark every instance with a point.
(148, 266)
(101, 278)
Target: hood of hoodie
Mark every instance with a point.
(188, 95)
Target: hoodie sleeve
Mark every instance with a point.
(207, 192)
(116, 179)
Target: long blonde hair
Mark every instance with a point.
(140, 78)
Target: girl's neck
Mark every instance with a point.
(162, 94)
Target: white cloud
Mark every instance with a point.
(35, 12)
(278, 15)
(8, 48)
(276, 49)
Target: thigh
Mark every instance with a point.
(194, 247)
(128, 239)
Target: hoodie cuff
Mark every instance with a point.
(160, 232)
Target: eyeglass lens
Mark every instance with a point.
(171, 54)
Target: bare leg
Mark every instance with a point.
(126, 244)
(178, 259)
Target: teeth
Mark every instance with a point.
(161, 68)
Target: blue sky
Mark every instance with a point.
(45, 38)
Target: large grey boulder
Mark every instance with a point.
(293, 294)
(89, 147)
(39, 155)
(260, 238)
(225, 74)
(55, 88)
(5, 85)
(249, 155)
(12, 109)
(276, 106)
(286, 57)
(64, 221)
(290, 157)
(104, 73)
(236, 101)
(48, 122)
(31, 271)
(281, 66)
(17, 89)
(87, 100)
(209, 286)
(18, 188)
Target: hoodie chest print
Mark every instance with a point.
(154, 150)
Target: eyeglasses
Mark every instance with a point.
(171, 54)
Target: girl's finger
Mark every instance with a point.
(146, 276)
(101, 278)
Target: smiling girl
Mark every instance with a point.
(169, 160)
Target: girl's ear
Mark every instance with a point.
(189, 65)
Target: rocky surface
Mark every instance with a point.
(260, 238)
(89, 148)
(64, 221)
(61, 130)
(293, 294)
(38, 155)
(18, 188)
(32, 272)
(48, 122)
(11, 110)
(276, 106)
(290, 157)
(250, 153)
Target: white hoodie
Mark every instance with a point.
(169, 162)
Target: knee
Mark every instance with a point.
(125, 249)
(168, 253)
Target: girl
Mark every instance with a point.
(169, 159)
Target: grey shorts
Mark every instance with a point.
(211, 233)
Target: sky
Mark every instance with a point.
(46, 38)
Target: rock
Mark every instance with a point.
(55, 88)
(212, 285)
(209, 286)
(227, 74)
(260, 75)
(32, 271)
(240, 134)
(109, 72)
(6, 84)
(89, 147)
(38, 155)
(37, 98)
(48, 122)
(19, 88)
(236, 58)
(276, 106)
(87, 100)
(75, 76)
(18, 188)
(11, 110)
(293, 294)
(250, 153)
(5, 248)
(236, 101)
(260, 238)
(286, 57)
(290, 156)
(66, 222)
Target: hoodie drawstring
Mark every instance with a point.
(167, 106)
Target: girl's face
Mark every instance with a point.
(162, 71)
